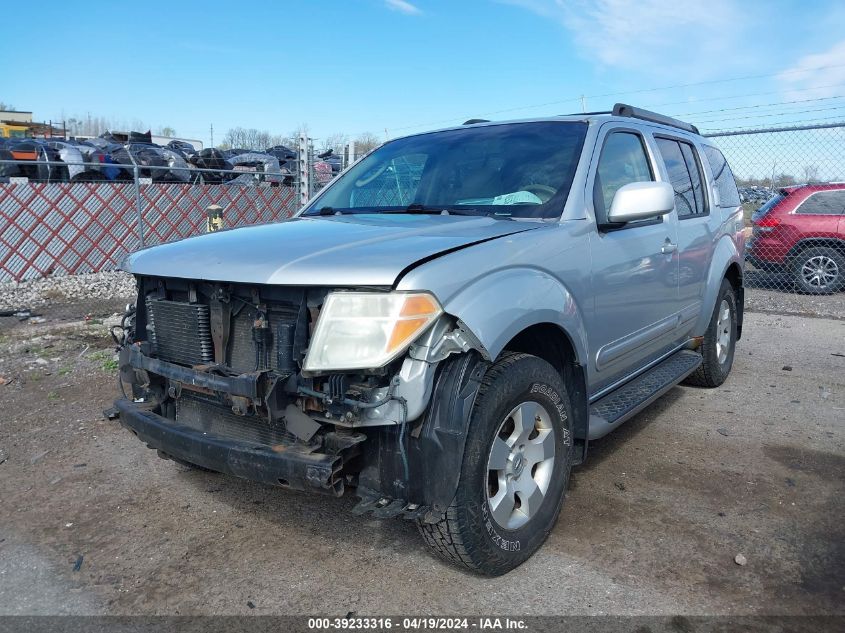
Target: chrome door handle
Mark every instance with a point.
(668, 247)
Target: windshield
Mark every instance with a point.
(511, 170)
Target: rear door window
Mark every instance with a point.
(823, 203)
(685, 176)
(725, 183)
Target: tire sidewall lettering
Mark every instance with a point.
(498, 540)
(549, 392)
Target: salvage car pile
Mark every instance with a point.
(755, 193)
(111, 157)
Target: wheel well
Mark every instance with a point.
(551, 343)
(546, 341)
(734, 275)
(831, 242)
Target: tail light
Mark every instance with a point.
(767, 223)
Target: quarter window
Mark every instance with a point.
(824, 203)
(722, 174)
(685, 176)
(623, 160)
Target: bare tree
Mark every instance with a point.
(6, 107)
(811, 173)
(784, 180)
(166, 131)
(365, 142)
(251, 138)
(336, 141)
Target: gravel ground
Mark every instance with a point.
(93, 522)
(776, 293)
(75, 289)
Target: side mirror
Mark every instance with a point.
(641, 201)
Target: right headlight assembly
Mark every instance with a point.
(366, 330)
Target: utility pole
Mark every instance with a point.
(211, 129)
(583, 103)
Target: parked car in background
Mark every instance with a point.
(801, 231)
(448, 325)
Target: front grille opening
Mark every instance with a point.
(266, 331)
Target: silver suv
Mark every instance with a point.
(447, 326)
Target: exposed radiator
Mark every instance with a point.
(181, 331)
(203, 413)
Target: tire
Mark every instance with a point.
(719, 343)
(819, 270)
(471, 534)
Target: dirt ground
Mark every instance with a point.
(91, 521)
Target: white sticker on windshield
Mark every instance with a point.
(517, 197)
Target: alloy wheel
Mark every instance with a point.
(520, 465)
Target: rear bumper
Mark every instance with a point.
(765, 251)
(294, 466)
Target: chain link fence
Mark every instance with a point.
(791, 183)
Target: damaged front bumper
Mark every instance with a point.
(297, 466)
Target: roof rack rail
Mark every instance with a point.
(474, 121)
(587, 113)
(622, 109)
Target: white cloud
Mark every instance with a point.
(403, 7)
(652, 35)
(804, 75)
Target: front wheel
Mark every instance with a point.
(516, 467)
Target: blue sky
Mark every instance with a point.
(394, 67)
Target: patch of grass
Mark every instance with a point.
(52, 396)
(94, 322)
(105, 358)
(64, 371)
(747, 209)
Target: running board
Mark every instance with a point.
(613, 409)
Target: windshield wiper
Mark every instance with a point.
(416, 207)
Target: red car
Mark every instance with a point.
(801, 231)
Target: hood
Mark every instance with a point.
(352, 250)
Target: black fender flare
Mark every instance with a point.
(437, 444)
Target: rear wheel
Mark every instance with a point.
(819, 270)
(719, 342)
(515, 471)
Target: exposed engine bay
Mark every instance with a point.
(228, 361)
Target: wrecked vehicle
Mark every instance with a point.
(262, 167)
(448, 325)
